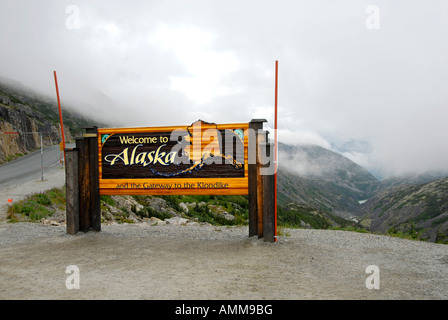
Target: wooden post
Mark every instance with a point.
(254, 126)
(95, 205)
(83, 196)
(261, 139)
(84, 184)
(72, 190)
(269, 202)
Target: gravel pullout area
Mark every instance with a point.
(139, 261)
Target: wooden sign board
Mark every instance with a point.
(201, 158)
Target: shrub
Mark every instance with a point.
(34, 206)
(108, 200)
(41, 198)
(148, 212)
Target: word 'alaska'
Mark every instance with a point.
(143, 158)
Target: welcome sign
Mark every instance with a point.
(196, 159)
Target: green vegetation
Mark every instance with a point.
(294, 216)
(13, 157)
(410, 232)
(107, 199)
(439, 221)
(441, 237)
(37, 206)
(15, 99)
(148, 212)
(204, 208)
(57, 197)
(432, 208)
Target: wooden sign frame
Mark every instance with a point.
(85, 181)
(185, 183)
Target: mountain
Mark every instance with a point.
(417, 209)
(410, 179)
(31, 114)
(317, 177)
(325, 183)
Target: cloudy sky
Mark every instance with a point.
(368, 79)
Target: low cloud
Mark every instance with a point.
(135, 63)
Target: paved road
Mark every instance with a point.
(23, 176)
(29, 167)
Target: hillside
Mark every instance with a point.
(419, 209)
(320, 178)
(31, 114)
(409, 179)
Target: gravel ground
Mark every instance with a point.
(139, 261)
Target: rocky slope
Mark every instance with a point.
(31, 114)
(171, 210)
(409, 179)
(420, 209)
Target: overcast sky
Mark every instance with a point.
(368, 79)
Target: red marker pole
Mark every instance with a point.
(60, 113)
(12, 208)
(275, 147)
